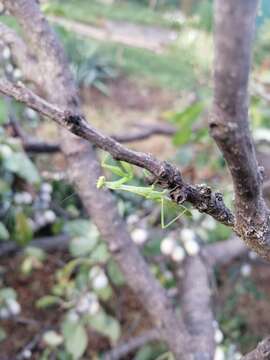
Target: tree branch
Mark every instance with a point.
(197, 308)
(262, 351)
(126, 347)
(39, 146)
(234, 31)
(168, 176)
(223, 252)
(21, 54)
(84, 170)
(49, 243)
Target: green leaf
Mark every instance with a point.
(187, 116)
(7, 294)
(80, 246)
(75, 337)
(149, 352)
(47, 301)
(52, 338)
(105, 293)
(21, 165)
(105, 325)
(81, 227)
(100, 254)
(115, 273)
(4, 234)
(23, 230)
(35, 253)
(166, 356)
(185, 120)
(3, 334)
(182, 136)
(3, 112)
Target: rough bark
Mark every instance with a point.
(224, 252)
(262, 351)
(197, 308)
(21, 53)
(229, 124)
(84, 169)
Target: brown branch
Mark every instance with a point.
(83, 170)
(168, 176)
(145, 133)
(21, 54)
(126, 347)
(223, 252)
(197, 307)
(38, 146)
(262, 351)
(234, 31)
(49, 243)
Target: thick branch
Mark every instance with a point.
(83, 169)
(235, 22)
(197, 308)
(223, 252)
(262, 351)
(168, 176)
(21, 54)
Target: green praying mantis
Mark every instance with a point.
(126, 174)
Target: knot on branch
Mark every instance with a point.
(73, 122)
(211, 203)
(261, 173)
(255, 232)
(171, 179)
(264, 348)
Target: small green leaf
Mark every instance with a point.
(23, 230)
(80, 246)
(3, 112)
(7, 294)
(47, 301)
(81, 227)
(182, 136)
(166, 356)
(106, 325)
(3, 334)
(185, 120)
(187, 116)
(4, 234)
(21, 165)
(52, 339)
(35, 253)
(100, 254)
(115, 273)
(75, 337)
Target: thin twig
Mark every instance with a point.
(124, 348)
(49, 243)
